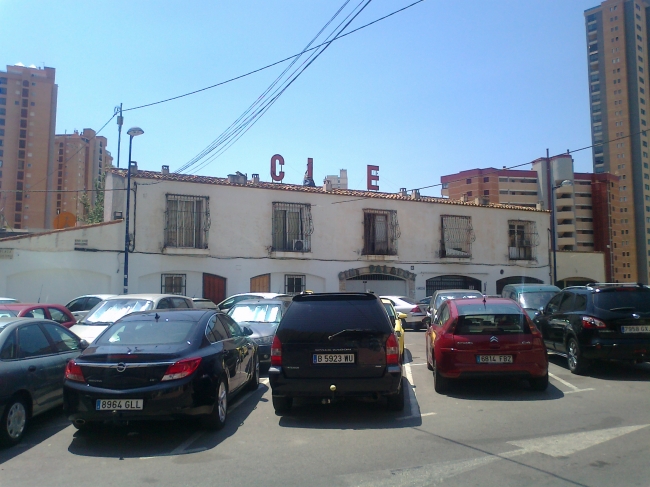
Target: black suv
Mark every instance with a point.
(598, 321)
(335, 345)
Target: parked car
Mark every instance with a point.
(332, 346)
(263, 317)
(487, 338)
(398, 320)
(8, 301)
(532, 297)
(204, 303)
(33, 357)
(112, 309)
(80, 306)
(228, 303)
(439, 297)
(167, 364)
(414, 313)
(598, 322)
(54, 312)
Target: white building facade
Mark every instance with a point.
(208, 237)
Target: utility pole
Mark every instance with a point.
(551, 207)
(120, 122)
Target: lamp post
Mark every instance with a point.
(132, 132)
(566, 182)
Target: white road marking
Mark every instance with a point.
(412, 417)
(181, 448)
(568, 384)
(415, 407)
(265, 381)
(433, 474)
(412, 364)
(580, 390)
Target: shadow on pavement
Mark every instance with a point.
(496, 389)
(162, 438)
(609, 370)
(39, 429)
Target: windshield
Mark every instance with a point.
(633, 299)
(256, 313)
(536, 300)
(113, 309)
(468, 294)
(163, 332)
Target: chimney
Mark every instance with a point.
(237, 178)
(256, 178)
(165, 170)
(463, 198)
(327, 186)
(134, 168)
(415, 194)
(402, 192)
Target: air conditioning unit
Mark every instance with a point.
(299, 245)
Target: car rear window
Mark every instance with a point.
(165, 332)
(536, 300)
(441, 297)
(626, 299)
(493, 319)
(322, 314)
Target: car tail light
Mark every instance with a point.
(592, 323)
(181, 369)
(276, 352)
(392, 350)
(73, 372)
(416, 310)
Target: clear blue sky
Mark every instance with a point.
(441, 87)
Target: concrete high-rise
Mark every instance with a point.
(28, 97)
(619, 98)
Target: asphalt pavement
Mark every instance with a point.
(591, 430)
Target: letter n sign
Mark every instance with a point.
(373, 178)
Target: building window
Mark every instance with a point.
(172, 284)
(294, 284)
(468, 181)
(380, 232)
(187, 221)
(486, 192)
(457, 236)
(486, 180)
(292, 227)
(522, 239)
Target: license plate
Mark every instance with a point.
(333, 358)
(494, 359)
(118, 404)
(635, 329)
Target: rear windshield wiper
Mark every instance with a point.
(348, 330)
(624, 308)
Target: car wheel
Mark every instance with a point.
(396, 401)
(440, 383)
(87, 426)
(254, 381)
(282, 404)
(539, 383)
(217, 418)
(416, 326)
(577, 363)
(14, 422)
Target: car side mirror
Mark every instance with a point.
(247, 331)
(402, 316)
(83, 344)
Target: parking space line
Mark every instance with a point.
(568, 384)
(265, 381)
(415, 407)
(181, 448)
(412, 364)
(414, 417)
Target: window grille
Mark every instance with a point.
(292, 227)
(187, 221)
(380, 232)
(294, 284)
(522, 240)
(172, 284)
(457, 236)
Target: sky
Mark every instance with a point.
(440, 87)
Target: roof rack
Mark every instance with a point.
(615, 284)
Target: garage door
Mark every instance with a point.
(379, 284)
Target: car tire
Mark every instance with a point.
(216, 420)
(440, 383)
(396, 401)
(282, 404)
(14, 422)
(87, 426)
(539, 384)
(577, 363)
(416, 326)
(254, 381)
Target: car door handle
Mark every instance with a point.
(31, 368)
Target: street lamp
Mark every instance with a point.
(132, 132)
(566, 182)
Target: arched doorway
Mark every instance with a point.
(452, 282)
(214, 287)
(501, 283)
(379, 284)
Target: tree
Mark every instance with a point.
(94, 213)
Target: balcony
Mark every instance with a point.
(563, 241)
(564, 215)
(568, 228)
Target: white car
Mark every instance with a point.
(228, 303)
(8, 301)
(80, 306)
(414, 313)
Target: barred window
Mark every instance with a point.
(187, 221)
(172, 284)
(522, 240)
(292, 227)
(380, 232)
(294, 284)
(457, 236)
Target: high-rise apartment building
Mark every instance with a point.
(586, 210)
(28, 98)
(340, 181)
(80, 159)
(619, 89)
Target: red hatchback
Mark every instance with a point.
(485, 337)
(54, 312)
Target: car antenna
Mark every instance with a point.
(484, 303)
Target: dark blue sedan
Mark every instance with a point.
(33, 357)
